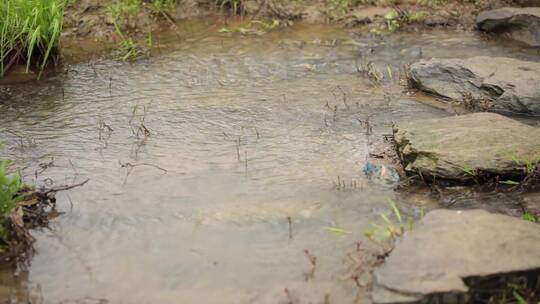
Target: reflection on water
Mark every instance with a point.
(250, 131)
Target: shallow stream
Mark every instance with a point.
(246, 134)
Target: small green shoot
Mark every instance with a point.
(9, 188)
(392, 21)
(339, 6)
(531, 217)
(391, 229)
(395, 209)
(519, 298)
(530, 163)
(336, 230)
(161, 6)
(469, 170)
(389, 71)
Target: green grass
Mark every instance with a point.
(29, 32)
(394, 20)
(161, 6)
(469, 170)
(121, 11)
(529, 163)
(10, 186)
(531, 217)
(531, 170)
(130, 50)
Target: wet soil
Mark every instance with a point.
(91, 19)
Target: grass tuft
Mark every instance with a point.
(124, 11)
(29, 32)
(10, 187)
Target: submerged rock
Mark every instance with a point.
(463, 147)
(450, 246)
(522, 24)
(381, 175)
(490, 83)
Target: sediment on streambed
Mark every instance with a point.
(104, 19)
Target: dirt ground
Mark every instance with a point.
(91, 19)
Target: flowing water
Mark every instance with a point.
(247, 134)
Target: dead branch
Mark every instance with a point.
(64, 188)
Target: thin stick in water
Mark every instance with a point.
(290, 227)
(238, 148)
(246, 161)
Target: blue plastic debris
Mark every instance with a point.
(381, 174)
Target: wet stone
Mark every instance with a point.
(462, 147)
(532, 203)
(487, 83)
(448, 247)
(521, 24)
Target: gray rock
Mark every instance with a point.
(448, 246)
(532, 203)
(495, 84)
(460, 147)
(522, 24)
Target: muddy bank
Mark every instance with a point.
(90, 27)
(93, 19)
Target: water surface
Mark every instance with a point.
(245, 133)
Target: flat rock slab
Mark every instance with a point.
(448, 246)
(532, 203)
(522, 24)
(493, 83)
(458, 147)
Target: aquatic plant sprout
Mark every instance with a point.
(390, 229)
(29, 31)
